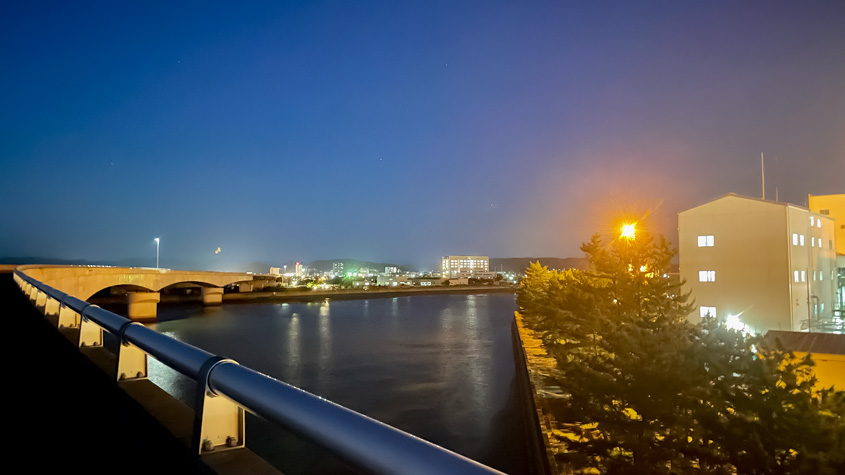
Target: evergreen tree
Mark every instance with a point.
(649, 392)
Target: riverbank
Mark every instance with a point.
(317, 295)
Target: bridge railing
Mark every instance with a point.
(226, 389)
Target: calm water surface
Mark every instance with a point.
(438, 366)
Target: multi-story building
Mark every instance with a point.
(337, 268)
(297, 269)
(455, 265)
(757, 264)
(834, 206)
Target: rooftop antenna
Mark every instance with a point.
(763, 174)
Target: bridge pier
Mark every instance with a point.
(212, 296)
(142, 306)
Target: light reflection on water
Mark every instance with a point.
(440, 367)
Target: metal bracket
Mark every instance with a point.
(90, 334)
(218, 422)
(131, 360)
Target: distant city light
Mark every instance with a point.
(217, 251)
(629, 231)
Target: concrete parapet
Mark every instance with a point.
(212, 296)
(142, 306)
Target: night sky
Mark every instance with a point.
(400, 131)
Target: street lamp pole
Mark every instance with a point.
(157, 245)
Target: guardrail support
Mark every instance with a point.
(131, 360)
(51, 308)
(90, 334)
(218, 422)
(41, 302)
(67, 317)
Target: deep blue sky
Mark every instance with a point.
(402, 131)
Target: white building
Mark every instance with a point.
(454, 265)
(298, 269)
(761, 264)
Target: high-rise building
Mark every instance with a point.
(759, 265)
(337, 268)
(452, 266)
(298, 269)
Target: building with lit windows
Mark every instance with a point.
(453, 266)
(759, 265)
(834, 206)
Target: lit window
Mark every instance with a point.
(801, 239)
(812, 221)
(705, 241)
(812, 242)
(797, 276)
(821, 275)
(707, 311)
(707, 276)
(818, 223)
(803, 276)
(794, 239)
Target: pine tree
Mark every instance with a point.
(653, 393)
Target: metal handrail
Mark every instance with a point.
(354, 437)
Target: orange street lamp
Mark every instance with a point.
(629, 231)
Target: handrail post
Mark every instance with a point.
(67, 317)
(90, 334)
(218, 422)
(132, 363)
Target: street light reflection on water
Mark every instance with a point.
(440, 367)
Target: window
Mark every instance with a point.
(821, 275)
(707, 311)
(803, 276)
(794, 239)
(705, 241)
(812, 242)
(801, 239)
(707, 276)
(818, 223)
(812, 221)
(824, 212)
(796, 277)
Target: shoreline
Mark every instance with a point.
(316, 295)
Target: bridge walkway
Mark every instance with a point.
(64, 413)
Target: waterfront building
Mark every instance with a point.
(759, 265)
(452, 266)
(391, 270)
(337, 268)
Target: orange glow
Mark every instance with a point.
(629, 231)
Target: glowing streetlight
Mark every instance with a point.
(629, 231)
(157, 246)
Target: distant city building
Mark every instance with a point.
(452, 266)
(337, 268)
(391, 270)
(298, 269)
(275, 271)
(834, 206)
(393, 280)
(759, 265)
(477, 275)
(459, 281)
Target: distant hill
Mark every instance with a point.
(519, 264)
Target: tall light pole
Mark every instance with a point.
(157, 245)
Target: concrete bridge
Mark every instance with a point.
(142, 285)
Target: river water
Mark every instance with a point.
(437, 366)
